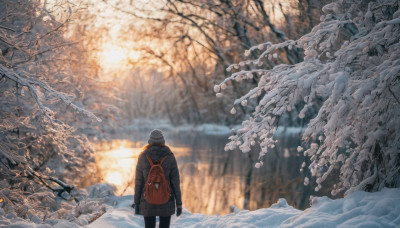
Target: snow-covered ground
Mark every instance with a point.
(360, 209)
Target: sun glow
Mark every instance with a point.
(114, 178)
(116, 162)
(114, 57)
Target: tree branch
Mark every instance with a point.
(42, 178)
(390, 90)
(32, 86)
(7, 28)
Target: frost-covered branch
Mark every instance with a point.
(65, 187)
(350, 77)
(33, 86)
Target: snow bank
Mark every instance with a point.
(93, 203)
(149, 124)
(271, 217)
(360, 209)
(146, 125)
(206, 129)
(123, 215)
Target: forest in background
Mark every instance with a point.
(185, 47)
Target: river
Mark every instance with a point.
(212, 180)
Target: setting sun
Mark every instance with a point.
(114, 57)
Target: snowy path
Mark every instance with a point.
(361, 209)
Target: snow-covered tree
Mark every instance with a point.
(45, 87)
(192, 42)
(351, 77)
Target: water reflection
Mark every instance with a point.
(212, 179)
(116, 162)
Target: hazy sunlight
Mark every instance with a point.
(113, 57)
(114, 178)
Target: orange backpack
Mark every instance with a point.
(156, 189)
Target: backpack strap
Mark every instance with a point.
(149, 159)
(163, 159)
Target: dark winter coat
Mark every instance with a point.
(157, 152)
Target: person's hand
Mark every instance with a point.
(137, 209)
(178, 211)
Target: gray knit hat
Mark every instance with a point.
(156, 136)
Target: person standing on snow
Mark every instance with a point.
(157, 183)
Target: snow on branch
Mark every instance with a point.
(349, 81)
(33, 86)
(65, 187)
(269, 52)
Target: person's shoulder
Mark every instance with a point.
(144, 152)
(168, 151)
(146, 149)
(166, 148)
(170, 156)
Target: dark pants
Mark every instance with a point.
(150, 222)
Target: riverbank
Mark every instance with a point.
(146, 125)
(102, 209)
(360, 209)
(208, 171)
